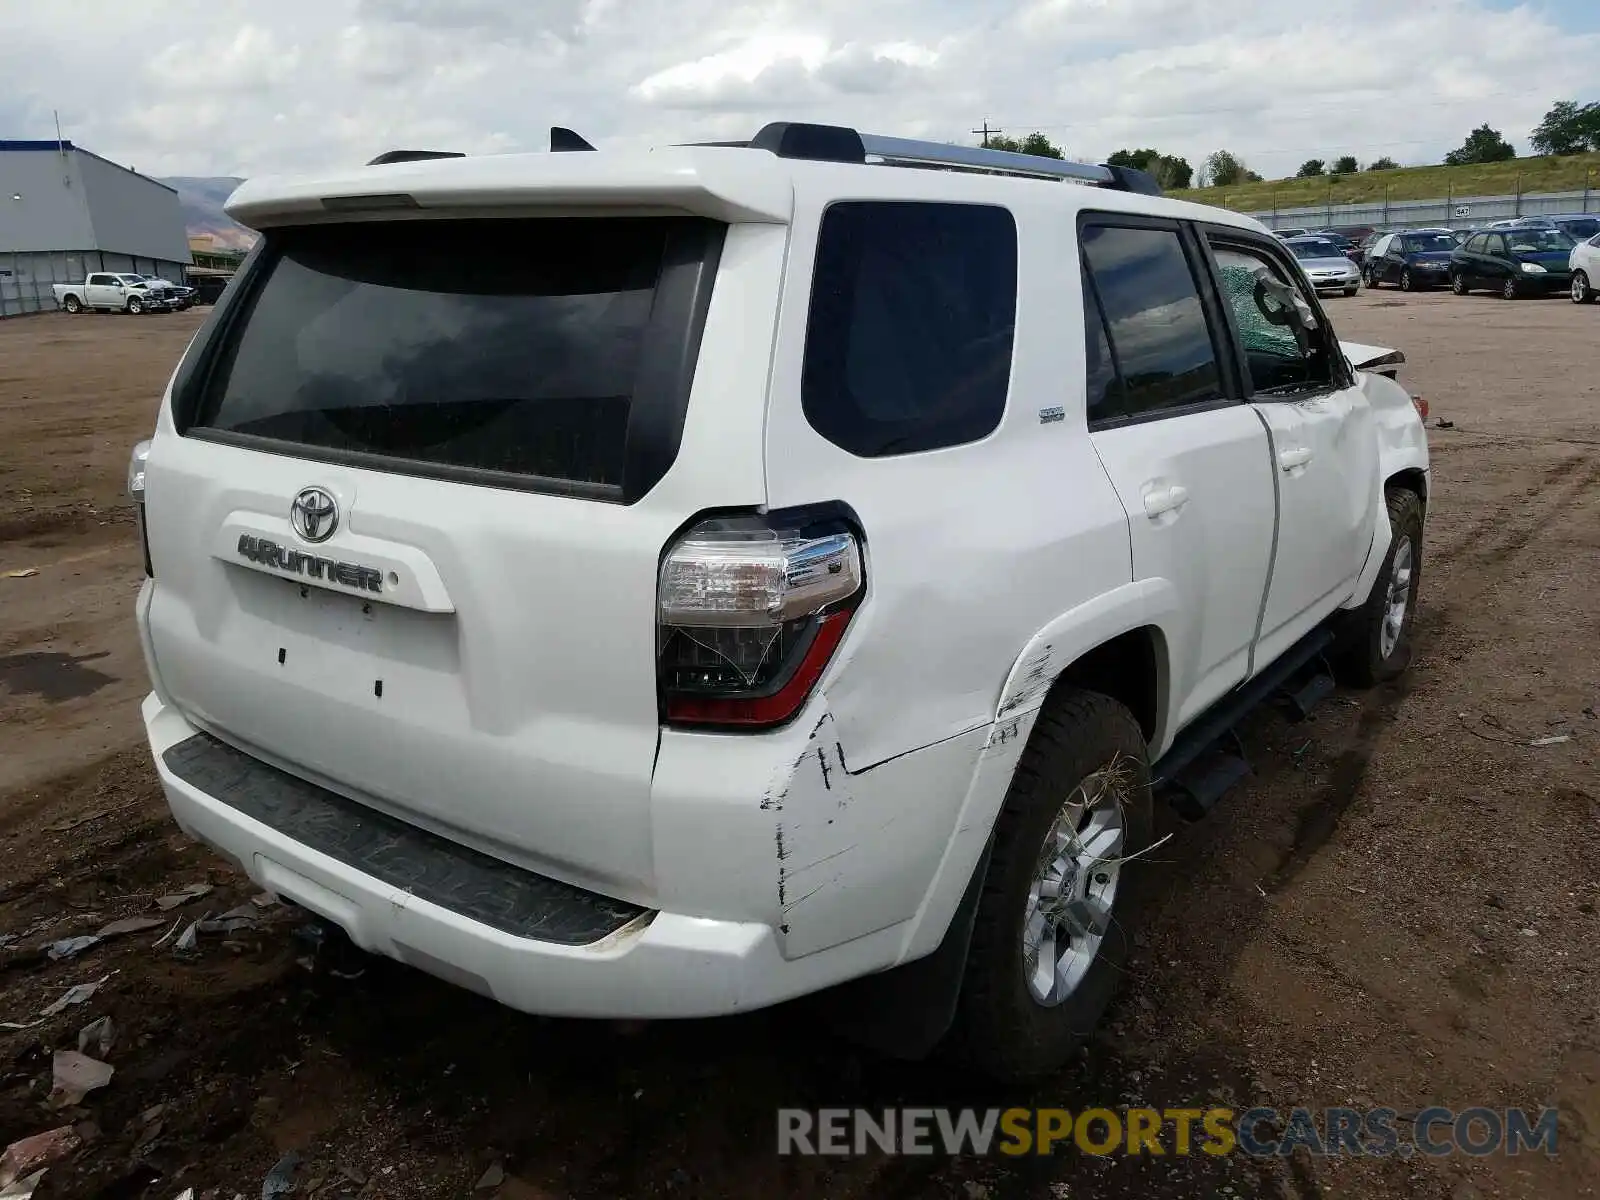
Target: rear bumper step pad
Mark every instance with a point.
(430, 867)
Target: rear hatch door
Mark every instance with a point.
(407, 505)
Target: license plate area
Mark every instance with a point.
(338, 642)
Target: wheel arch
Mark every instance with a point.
(1118, 644)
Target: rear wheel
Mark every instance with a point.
(72, 304)
(1051, 934)
(1509, 290)
(1458, 283)
(1582, 293)
(1375, 644)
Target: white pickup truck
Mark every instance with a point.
(772, 571)
(116, 292)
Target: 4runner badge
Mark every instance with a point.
(314, 514)
(282, 558)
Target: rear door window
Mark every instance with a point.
(1157, 324)
(551, 354)
(909, 334)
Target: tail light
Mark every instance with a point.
(1421, 406)
(751, 610)
(136, 468)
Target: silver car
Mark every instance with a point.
(1325, 265)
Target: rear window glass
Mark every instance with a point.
(515, 347)
(908, 343)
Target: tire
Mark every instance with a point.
(1372, 279)
(1407, 284)
(73, 305)
(135, 305)
(1369, 654)
(1582, 293)
(1509, 290)
(1351, 291)
(1458, 284)
(1001, 1029)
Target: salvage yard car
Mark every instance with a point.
(1326, 265)
(772, 571)
(105, 291)
(1584, 263)
(182, 295)
(1515, 261)
(1413, 260)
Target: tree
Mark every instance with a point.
(1170, 171)
(1346, 164)
(1568, 128)
(1035, 143)
(1139, 160)
(1223, 168)
(1043, 147)
(1483, 145)
(1383, 164)
(1311, 168)
(1173, 172)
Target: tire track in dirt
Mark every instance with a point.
(1483, 558)
(1500, 533)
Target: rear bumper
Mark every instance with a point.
(643, 965)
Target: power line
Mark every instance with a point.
(986, 132)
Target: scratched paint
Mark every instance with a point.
(1036, 677)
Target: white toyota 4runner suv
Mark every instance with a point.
(668, 584)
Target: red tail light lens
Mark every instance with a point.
(751, 611)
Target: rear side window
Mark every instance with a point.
(1103, 396)
(551, 354)
(908, 340)
(1153, 313)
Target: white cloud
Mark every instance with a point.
(233, 87)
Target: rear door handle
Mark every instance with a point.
(1298, 457)
(1163, 500)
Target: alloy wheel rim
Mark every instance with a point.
(1075, 885)
(1580, 288)
(1399, 601)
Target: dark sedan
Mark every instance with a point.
(1416, 259)
(1513, 262)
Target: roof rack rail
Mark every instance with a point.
(400, 156)
(837, 143)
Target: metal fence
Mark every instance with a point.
(27, 277)
(1456, 212)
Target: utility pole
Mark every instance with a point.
(986, 132)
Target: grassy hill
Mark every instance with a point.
(1550, 174)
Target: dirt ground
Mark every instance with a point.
(1398, 909)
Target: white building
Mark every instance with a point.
(65, 212)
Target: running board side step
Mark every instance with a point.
(1196, 772)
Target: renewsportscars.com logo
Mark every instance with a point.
(1259, 1132)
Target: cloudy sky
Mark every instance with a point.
(245, 87)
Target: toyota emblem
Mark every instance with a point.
(314, 514)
